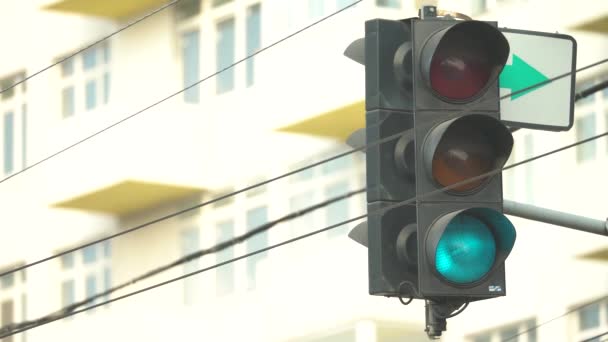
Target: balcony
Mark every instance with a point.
(111, 9)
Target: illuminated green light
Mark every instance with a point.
(466, 250)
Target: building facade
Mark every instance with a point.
(290, 105)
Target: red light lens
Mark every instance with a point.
(460, 67)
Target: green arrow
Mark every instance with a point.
(520, 75)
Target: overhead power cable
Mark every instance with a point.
(222, 197)
(596, 338)
(101, 40)
(176, 93)
(558, 317)
(72, 309)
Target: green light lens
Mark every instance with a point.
(466, 251)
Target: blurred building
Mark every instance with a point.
(289, 106)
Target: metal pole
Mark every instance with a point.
(559, 218)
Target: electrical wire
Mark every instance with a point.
(557, 317)
(219, 198)
(101, 40)
(591, 90)
(71, 310)
(175, 93)
(596, 337)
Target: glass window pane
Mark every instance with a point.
(24, 136)
(315, 9)
(585, 128)
(220, 2)
(7, 281)
(7, 315)
(68, 295)
(89, 58)
(5, 83)
(106, 87)
(190, 243)
(389, 3)
(255, 218)
(107, 281)
(191, 66)
(67, 102)
(254, 27)
(337, 211)
(343, 3)
(187, 9)
(479, 6)
(9, 127)
(225, 55)
(342, 163)
(107, 249)
(89, 254)
(529, 167)
(509, 334)
(225, 274)
(303, 224)
(67, 67)
(589, 317)
(90, 94)
(105, 51)
(90, 287)
(67, 261)
(482, 338)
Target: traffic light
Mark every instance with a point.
(435, 80)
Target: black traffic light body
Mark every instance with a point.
(421, 78)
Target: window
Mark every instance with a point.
(343, 3)
(255, 218)
(529, 167)
(9, 142)
(67, 102)
(225, 55)
(85, 273)
(187, 8)
(85, 80)
(68, 294)
(106, 87)
(91, 287)
(585, 128)
(7, 316)
(254, 27)
(315, 9)
(190, 243)
(24, 136)
(7, 281)
(523, 331)
(220, 2)
(303, 224)
(339, 164)
(589, 317)
(191, 66)
(225, 274)
(337, 211)
(90, 95)
(389, 3)
(479, 6)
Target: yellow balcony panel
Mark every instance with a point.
(597, 255)
(114, 9)
(128, 196)
(599, 25)
(338, 123)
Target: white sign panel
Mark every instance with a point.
(538, 57)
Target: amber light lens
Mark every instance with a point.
(461, 67)
(463, 152)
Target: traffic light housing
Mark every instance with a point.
(433, 82)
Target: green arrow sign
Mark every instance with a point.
(520, 75)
